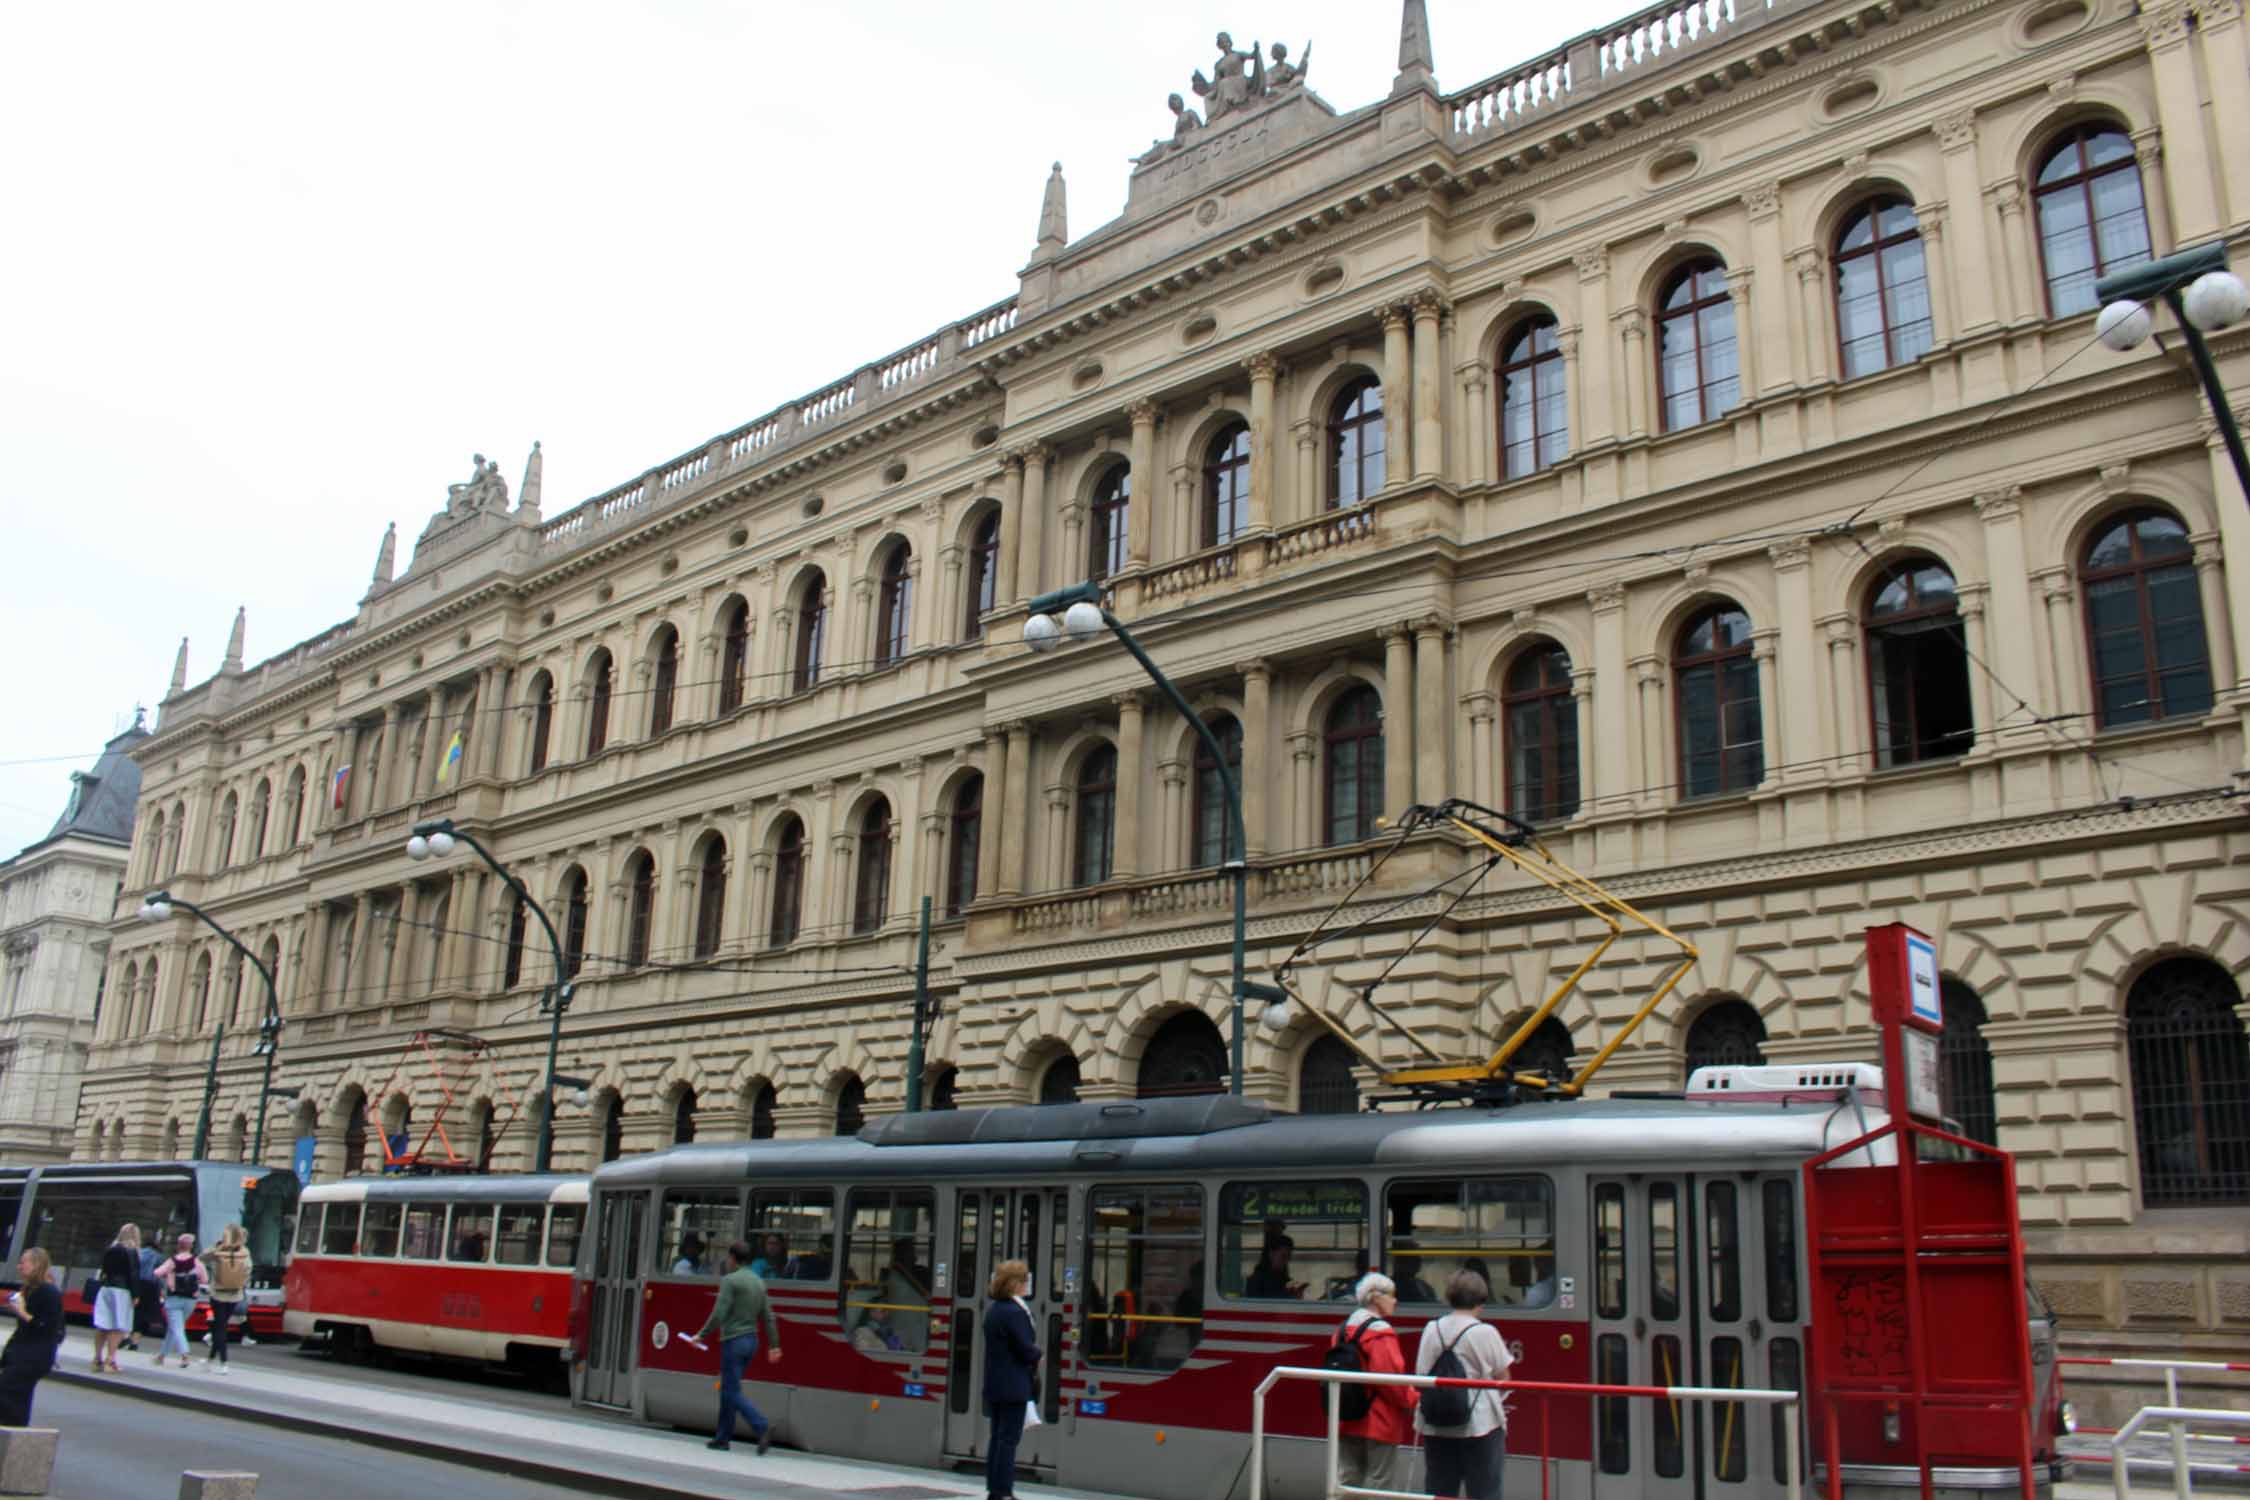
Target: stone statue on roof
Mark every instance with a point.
(1236, 78)
(1283, 74)
(484, 490)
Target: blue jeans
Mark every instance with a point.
(1000, 1458)
(734, 1357)
(176, 1310)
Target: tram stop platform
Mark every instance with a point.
(547, 1440)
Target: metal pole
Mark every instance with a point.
(210, 1087)
(921, 1014)
(547, 1109)
(2213, 392)
(269, 1040)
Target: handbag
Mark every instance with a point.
(93, 1290)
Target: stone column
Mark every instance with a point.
(2070, 691)
(1263, 369)
(2233, 507)
(2226, 55)
(1739, 283)
(1430, 718)
(1062, 869)
(1013, 827)
(1970, 268)
(1845, 695)
(1032, 566)
(356, 980)
(842, 861)
(1429, 427)
(1476, 448)
(1659, 775)
(2002, 514)
(1771, 343)
(1005, 591)
(1173, 774)
(1590, 788)
(1593, 393)
(386, 959)
(993, 832)
(1398, 401)
(383, 792)
(952, 612)
(921, 626)
(1632, 329)
(1398, 718)
(1800, 727)
(760, 898)
(1816, 347)
(1763, 649)
(1126, 863)
(1574, 396)
(1312, 495)
(1484, 784)
(1140, 513)
(1304, 757)
(1257, 698)
(1931, 218)
(1971, 603)
(2179, 111)
(1610, 733)
(2023, 298)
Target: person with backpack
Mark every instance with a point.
(1464, 1431)
(1374, 1419)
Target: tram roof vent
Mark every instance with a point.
(1119, 1119)
(1765, 1083)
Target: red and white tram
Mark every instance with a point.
(467, 1267)
(1628, 1240)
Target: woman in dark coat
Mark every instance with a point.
(1011, 1359)
(38, 1337)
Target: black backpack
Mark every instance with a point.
(1353, 1400)
(1448, 1405)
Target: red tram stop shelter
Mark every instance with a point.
(1920, 1344)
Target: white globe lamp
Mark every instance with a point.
(1041, 633)
(2124, 326)
(2216, 300)
(1083, 620)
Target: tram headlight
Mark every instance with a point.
(2066, 1419)
(1893, 1428)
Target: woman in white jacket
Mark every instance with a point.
(1464, 1458)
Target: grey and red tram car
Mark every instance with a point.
(1627, 1240)
(471, 1267)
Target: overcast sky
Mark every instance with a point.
(272, 273)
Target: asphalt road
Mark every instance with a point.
(116, 1446)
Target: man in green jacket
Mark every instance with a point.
(741, 1311)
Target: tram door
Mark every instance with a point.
(1687, 1290)
(992, 1225)
(613, 1308)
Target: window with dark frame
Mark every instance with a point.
(894, 608)
(542, 719)
(1965, 1064)
(1715, 692)
(2190, 1064)
(984, 575)
(1226, 485)
(889, 1239)
(871, 904)
(597, 706)
(1109, 523)
(1358, 436)
(511, 973)
(1096, 821)
(1144, 1276)
(1214, 836)
(683, 1118)
(1539, 735)
(1502, 1228)
(2146, 646)
(812, 625)
(1058, 1084)
(293, 803)
(762, 1123)
(1326, 1084)
(851, 1107)
(1353, 786)
(1697, 365)
(641, 878)
(665, 688)
(965, 846)
(788, 884)
(734, 655)
(1324, 1224)
(1534, 406)
(711, 898)
(1882, 288)
(1729, 1034)
(2092, 217)
(1917, 666)
(574, 921)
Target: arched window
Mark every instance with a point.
(292, 807)
(871, 897)
(1325, 1083)
(944, 1084)
(711, 898)
(812, 626)
(1059, 1084)
(734, 654)
(683, 1117)
(179, 835)
(1226, 485)
(1917, 666)
(1965, 1064)
(1534, 408)
(355, 1137)
(153, 865)
(1547, 1053)
(511, 973)
(542, 720)
(574, 921)
(664, 689)
(231, 1013)
(2091, 217)
(2144, 621)
(1097, 817)
(1109, 523)
(1695, 346)
(788, 883)
(1185, 1056)
(270, 956)
(966, 846)
(148, 1002)
(1539, 735)
(597, 703)
(1356, 443)
(199, 984)
(640, 910)
(1353, 738)
(261, 812)
(2190, 1061)
(222, 836)
(1729, 1034)
(1882, 288)
(761, 1113)
(1715, 692)
(894, 607)
(984, 576)
(613, 1127)
(851, 1106)
(1214, 838)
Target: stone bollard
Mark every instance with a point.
(27, 1459)
(195, 1485)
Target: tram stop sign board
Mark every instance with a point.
(1902, 979)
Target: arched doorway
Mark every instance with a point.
(1185, 1057)
(1059, 1084)
(1325, 1083)
(2190, 1061)
(1729, 1034)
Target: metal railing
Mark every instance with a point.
(1791, 1423)
(2171, 1413)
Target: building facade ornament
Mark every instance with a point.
(1957, 130)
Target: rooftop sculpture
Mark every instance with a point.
(1239, 81)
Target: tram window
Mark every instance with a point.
(805, 1219)
(1609, 1250)
(698, 1226)
(517, 1243)
(1780, 1199)
(1287, 1240)
(1667, 1439)
(885, 1301)
(1613, 1415)
(341, 1237)
(1144, 1276)
(1722, 1241)
(471, 1238)
(1785, 1372)
(77, 1221)
(563, 1228)
(425, 1231)
(1663, 1250)
(308, 1229)
(378, 1230)
(1503, 1228)
(1730, 1439)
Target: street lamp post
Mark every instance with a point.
(159, 906)
(2204, 297)
(436, 839)
(1083, 617)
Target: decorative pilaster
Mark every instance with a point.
(1632, 332)
(1140, 518)
(2179, 110)
(1264, 370)
(1480, 707)
(1844, 695)
(1429, 428)
(1430, 718)
(1257, 699)
(1593, 393)
(1398, 718)
(1032, 574)
(1011, 821)
(1125, 863)
(1970, 269)
(1011, 530)
(1398, 400)
(1763, 649)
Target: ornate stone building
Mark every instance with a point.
(1693, 439)
(56, 900)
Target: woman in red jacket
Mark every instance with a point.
(1370, 1443)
